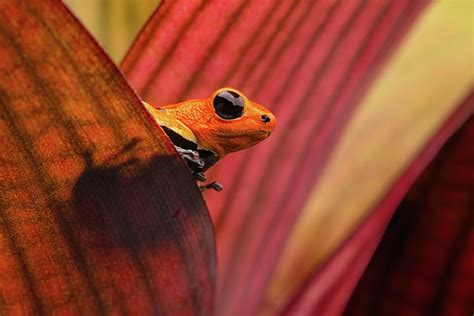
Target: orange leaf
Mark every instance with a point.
(97, 212)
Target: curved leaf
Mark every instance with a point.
(291, 56)
(290, 203)
(340, 274)
(97, 212)
(424, 262)
(416, 93)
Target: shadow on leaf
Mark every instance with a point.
(121, 203)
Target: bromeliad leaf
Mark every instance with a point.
(428, 244)
(98, 214)
(358, 89)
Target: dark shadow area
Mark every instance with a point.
(125, 201)
(140, 223)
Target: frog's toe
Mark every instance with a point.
(199, 176)
(216, 186)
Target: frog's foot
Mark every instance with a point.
(199, 176)
(192, 158)
(196, 164)
(216, 186)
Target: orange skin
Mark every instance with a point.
(197, 121)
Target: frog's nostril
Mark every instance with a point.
(265, 118)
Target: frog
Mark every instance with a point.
(204, 131)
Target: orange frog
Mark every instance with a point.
(205, 130)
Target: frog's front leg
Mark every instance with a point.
(197, 164)
(191, 157)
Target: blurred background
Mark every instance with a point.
(424, 264)
(114, 23)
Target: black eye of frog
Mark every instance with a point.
(229, 105)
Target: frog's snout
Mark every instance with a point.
(269, 122)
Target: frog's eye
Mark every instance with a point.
(228, 105)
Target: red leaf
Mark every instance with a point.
(309, 62)
(358, 248)
(98, 214)
(424, 264)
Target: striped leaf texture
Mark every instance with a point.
(353, 254)
(98, 214)
(364, 95)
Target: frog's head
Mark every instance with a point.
(236, 122)
(225, 122)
